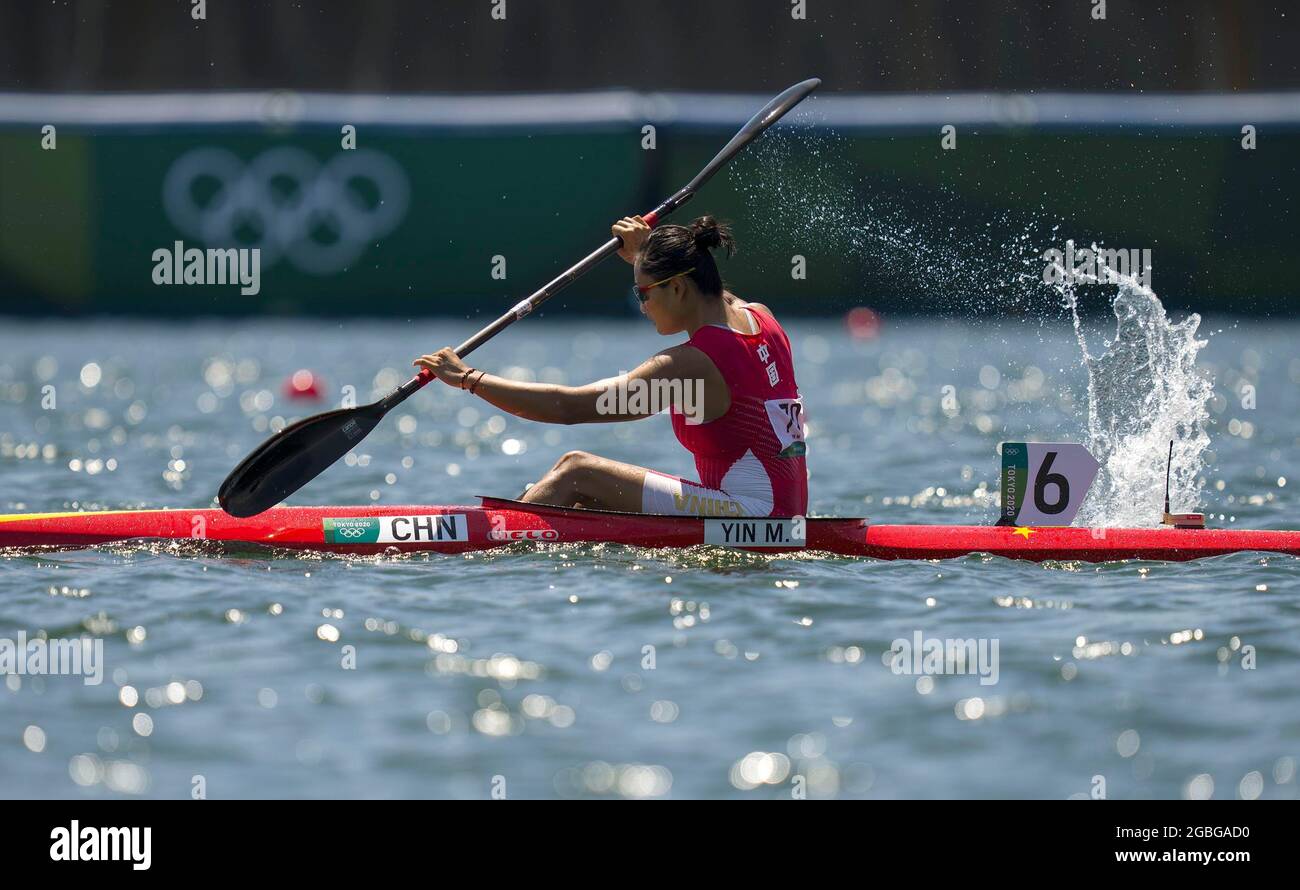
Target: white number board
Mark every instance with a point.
(1044, 483)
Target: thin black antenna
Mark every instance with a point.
(1168, 465)
(1182, 520)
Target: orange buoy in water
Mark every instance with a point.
(302, 385)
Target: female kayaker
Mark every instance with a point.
(730, 388)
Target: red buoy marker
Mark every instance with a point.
(863, 323)
(302, 385)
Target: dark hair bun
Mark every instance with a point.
(675, 250)
(709, 233)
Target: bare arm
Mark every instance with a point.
(669, 377)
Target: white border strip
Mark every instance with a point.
(613, 107)
(1012, 109)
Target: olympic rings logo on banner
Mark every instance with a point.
(283, 198)
(350, 531)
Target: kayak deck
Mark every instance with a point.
(364, 530)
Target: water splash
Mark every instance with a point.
(949, 256)
(918, 242)
(1144, 390)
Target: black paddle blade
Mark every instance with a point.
(293, 457)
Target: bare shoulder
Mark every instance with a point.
(734, 300)
(676, 363)
(680, 360)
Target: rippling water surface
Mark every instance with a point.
(604, 671)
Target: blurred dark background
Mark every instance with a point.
(480, 138)
(733, 45)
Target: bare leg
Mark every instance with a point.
(579, 479)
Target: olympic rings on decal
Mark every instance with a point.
(283, 198)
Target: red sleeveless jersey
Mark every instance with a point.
(757, 448)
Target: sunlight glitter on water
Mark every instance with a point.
(752, 672)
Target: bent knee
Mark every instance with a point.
(574, 461)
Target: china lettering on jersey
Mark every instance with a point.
(765, 356)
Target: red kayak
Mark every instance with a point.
(499, 522)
